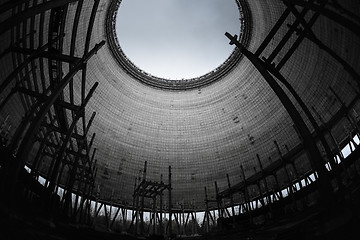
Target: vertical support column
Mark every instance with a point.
(124, 212)
(88, 204)
(246, 195)
(207, 211)
(133, 218)
(192, 223)
(231, 201)
(137, 214)
(195, 226)
(96, 203)
(181, 219)
(310, 35)
(84, 198)
(278, 185)
(185, 220)
(284, 166)
(324, 185)
(110, 210)
(70, 184)
(265, 181)
(27, 141)
(161, 208)
(54, 176)
(218, 201)
(143, 186)
(50, 168)
(35, 164)
(170, 203)
(307, 112)
(261, 200)
(107, 217)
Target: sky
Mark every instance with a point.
(176, 39)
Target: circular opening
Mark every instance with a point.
(189, 35)
(177, 39)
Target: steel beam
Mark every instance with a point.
(29, 12)
(231, 201)
(286, 37)
(306, 110)
(343, 21)
(43, 97)
(27, 141)
(46, 54)
(273, 31)
(65, 142)
(62, 131)
(170, 203)
(19, 68)
(308, 142)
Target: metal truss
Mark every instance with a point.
(256, 189)
(43, 80)
(152, 190)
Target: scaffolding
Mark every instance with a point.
(152, 190)
(326, 171)
(54, 125)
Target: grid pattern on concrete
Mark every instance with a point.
(208, 132)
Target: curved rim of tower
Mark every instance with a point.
(181, 84)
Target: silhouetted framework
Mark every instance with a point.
(123, 216)
(261, 196)
(264, 199)
(52, 139)
(152, 190)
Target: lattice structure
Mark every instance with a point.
(52, 137)
(152, 190)
(283, 142)
(261, 193)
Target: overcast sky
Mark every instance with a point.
(177, 39)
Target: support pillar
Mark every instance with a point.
(161, 209)
(65, 142)
(170, 203)
(309, 144)
(207, 211)
(27, 141)
(218, 201)
(246, 194)
(231, 201)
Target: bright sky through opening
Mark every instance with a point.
(176, 39)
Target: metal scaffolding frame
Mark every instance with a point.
(298, 187)
(60, 129)
(57, 124)
(153, 190)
